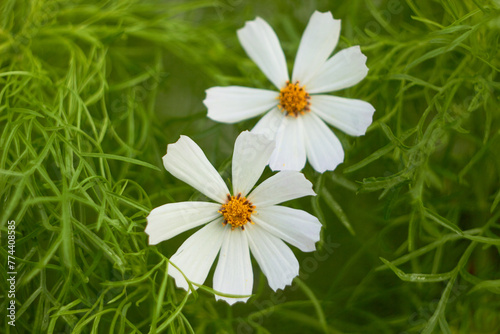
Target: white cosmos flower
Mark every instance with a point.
(296, 114)
(235, 225)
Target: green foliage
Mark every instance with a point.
(91, 93)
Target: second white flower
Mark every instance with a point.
(296, 114)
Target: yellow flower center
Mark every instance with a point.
(237, 211)
(294, 100)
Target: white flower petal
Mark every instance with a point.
(281, 187)
(262, 45)
(233, 274)
(197, 254)
(186, 161)
(169, 220)
(233, 104)
(250, 157)
(345, 69)
(317, 43)
(275, 258)
(269, 124)
(296, 227)
(324, 150)
(290, 151)
(349, 115)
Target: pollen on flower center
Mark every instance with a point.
(237, 211)
(294, 99)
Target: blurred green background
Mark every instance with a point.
(92, 92)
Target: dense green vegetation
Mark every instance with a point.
(91, 93)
